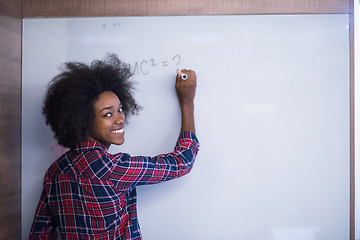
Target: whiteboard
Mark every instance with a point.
(272, 115)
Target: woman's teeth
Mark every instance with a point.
(118, 131)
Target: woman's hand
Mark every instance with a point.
(185, 90)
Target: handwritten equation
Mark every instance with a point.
(145, 66)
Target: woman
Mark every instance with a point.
(89, 193)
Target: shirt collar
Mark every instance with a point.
(89, 145)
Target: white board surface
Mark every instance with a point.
(272, 116)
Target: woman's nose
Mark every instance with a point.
(120, 118)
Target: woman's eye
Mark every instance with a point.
(120, 109)
(108, 115)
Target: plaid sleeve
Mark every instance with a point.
(132, 171)
(44, 226)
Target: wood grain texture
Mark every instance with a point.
(63, 8)
(10, 8)
(10, 119)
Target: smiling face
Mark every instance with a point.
(108, 127)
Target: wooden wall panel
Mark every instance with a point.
(56, 8)
(10, 119)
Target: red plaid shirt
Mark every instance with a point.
(90, 194)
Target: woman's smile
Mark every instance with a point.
(117, 131)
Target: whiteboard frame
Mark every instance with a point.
(64, 8)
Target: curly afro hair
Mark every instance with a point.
(68, 103)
